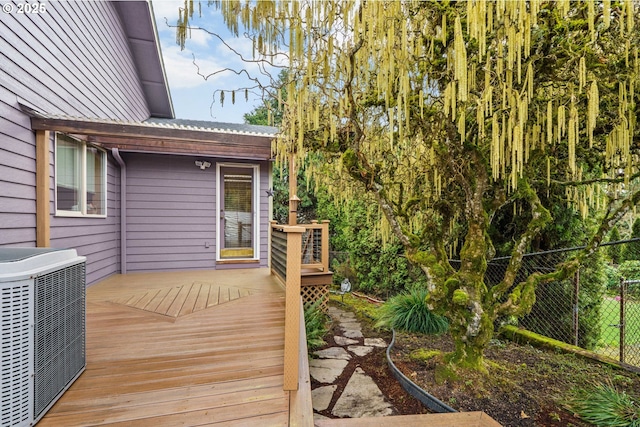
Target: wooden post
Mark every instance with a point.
(293, 189)
(43, 229)
(292, 307)
(325, 245)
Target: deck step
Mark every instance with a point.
(459, 419)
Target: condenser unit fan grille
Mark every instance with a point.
(59, 332)
(16, 341)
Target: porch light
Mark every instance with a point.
(203, 164)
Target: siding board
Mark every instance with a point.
(75, 60)
(12, 190)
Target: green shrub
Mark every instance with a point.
(409, 312)
(315, 324)
(630, 270)
(631, 251)
(614, 251)
(605, 406)
(612, 279)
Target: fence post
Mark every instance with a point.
(576, 318)
(292, 307)
(623, 289)
(325, 245)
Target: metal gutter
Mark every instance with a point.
(123, 210)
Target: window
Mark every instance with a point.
(80, 178)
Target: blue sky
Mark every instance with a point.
(191, 93)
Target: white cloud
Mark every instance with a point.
(181, 71)
(166, 9)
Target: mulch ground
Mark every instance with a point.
(525, 387)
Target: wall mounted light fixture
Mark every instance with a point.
(202, 164)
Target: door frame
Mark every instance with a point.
(255, 204)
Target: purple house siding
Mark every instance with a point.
(73, 60)
(171, 214)
(96, 238)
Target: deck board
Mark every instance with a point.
(216, 366)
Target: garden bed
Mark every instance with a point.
(526, 386)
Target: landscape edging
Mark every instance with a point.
(412, 388)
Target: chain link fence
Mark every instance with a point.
(597, 309)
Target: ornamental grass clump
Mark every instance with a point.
(409, 312)
(315, 323)
(605, 406)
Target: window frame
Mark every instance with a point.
(82, 179)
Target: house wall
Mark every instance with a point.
(96, 238)
(72, 60)
(171, 213)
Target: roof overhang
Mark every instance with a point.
(140, 29)
(160, 138)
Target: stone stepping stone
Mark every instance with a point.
(360, 350)
(352, 333)
(321, 397)
(361, 398)
(375, 342)
(333, 353)
(344, 341)
(341, 315)
(326, 370)
(351, 325)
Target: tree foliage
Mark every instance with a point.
(632, 249)
(449, 113)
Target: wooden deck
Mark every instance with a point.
(201, 348)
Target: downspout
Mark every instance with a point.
(123, 210)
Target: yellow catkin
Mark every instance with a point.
(561, 122)
(593, 110)
(460, 70)
(591, 14)
(462, 126)
(572, 138)
(444, 29)
(391, 125)
(582, 74)
(549, 122)
(606, 13)
(495, 148)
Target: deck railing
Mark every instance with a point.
(294, 248)
(286, 244)
(315, 245)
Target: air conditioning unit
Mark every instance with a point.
(42, 306)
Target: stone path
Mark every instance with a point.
(361, 397)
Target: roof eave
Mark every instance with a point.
(138, 22)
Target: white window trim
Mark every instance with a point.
(256, 213)
(82, 213)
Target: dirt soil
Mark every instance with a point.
(526, 386)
